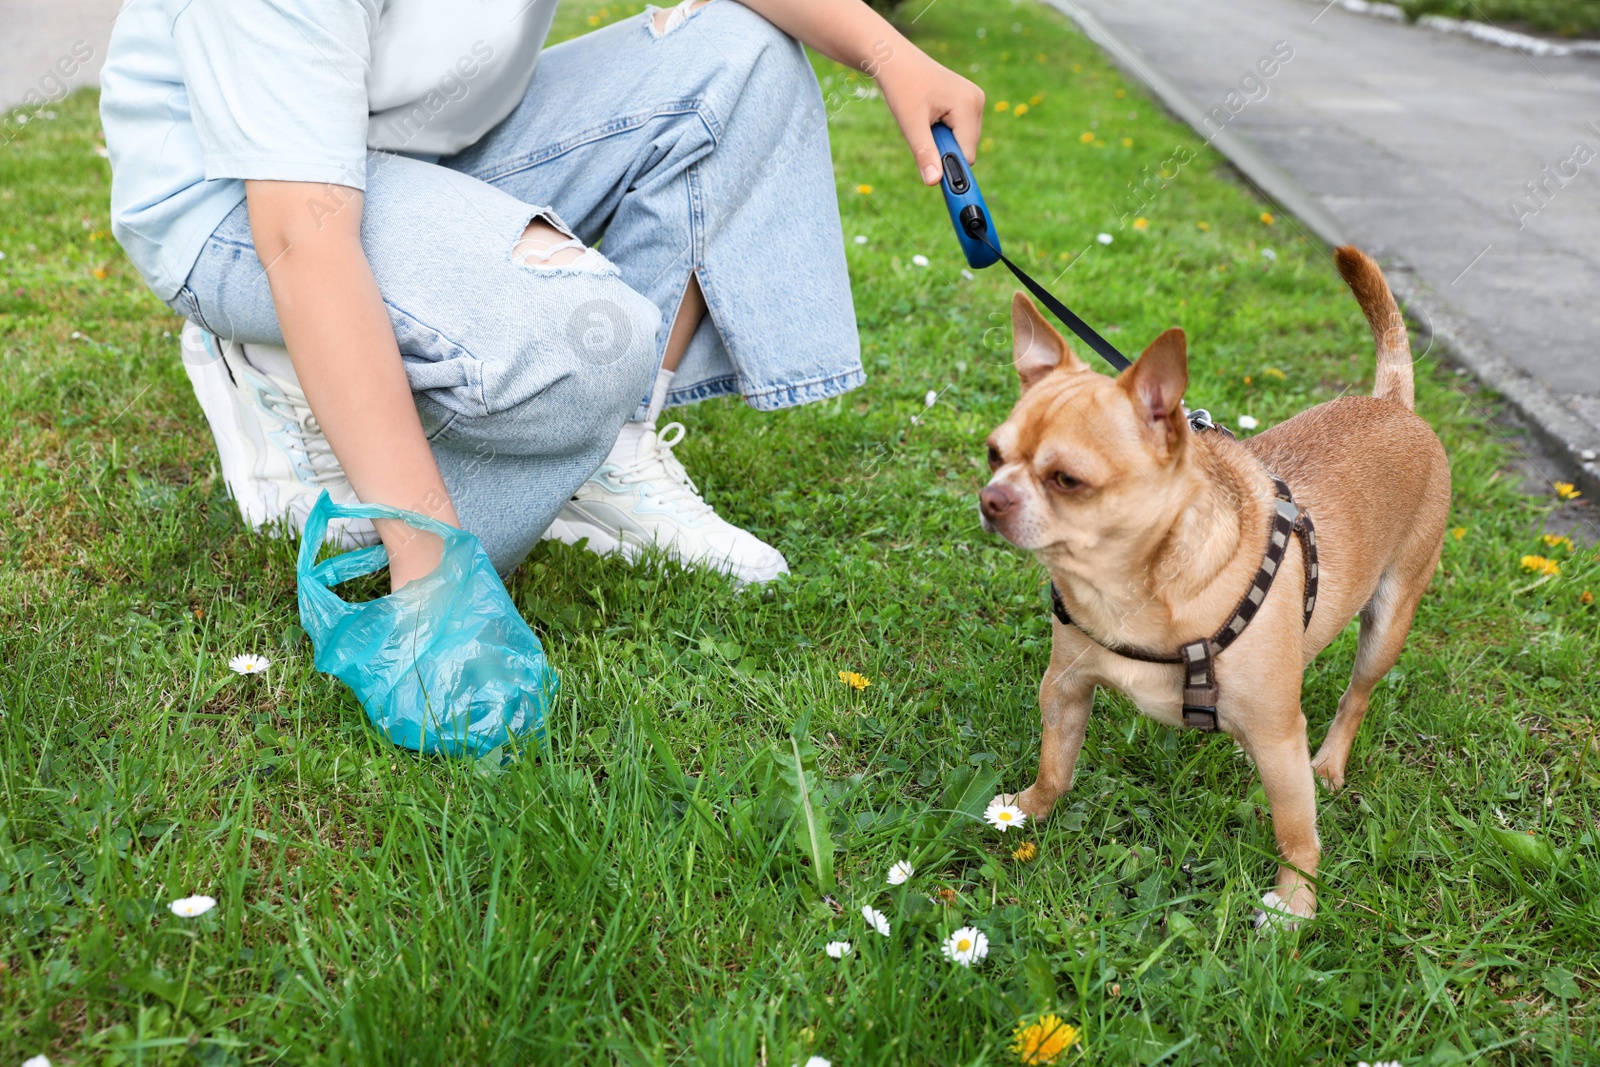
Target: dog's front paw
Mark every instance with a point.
(1279, 914)
(1032, 804)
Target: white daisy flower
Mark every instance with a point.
(1268, 254)
(249, 663)
(861, 238)
(192, 907)
(1247, 423)
(36, 1061)
(930, 399)
(920, 260)
(1004, 816)
(901, 873)
(1104, 238)
(817, 1061)
(966, 946)
(837, 949)
(875, 919)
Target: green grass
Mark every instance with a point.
(641, 895)
(1566, 18)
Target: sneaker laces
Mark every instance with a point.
(657, 465)
(301, 424)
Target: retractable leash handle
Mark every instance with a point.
(968, 213)
(980, 241)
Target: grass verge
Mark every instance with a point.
(647, 894)
(1565, 18)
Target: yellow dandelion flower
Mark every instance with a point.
(1036, 99)
(1002, 105)
(1557, 541)
(854, 680)
(1541, 565)
(1121, 93)
(1203, 225)
(864, 190)
(1026, 852)
(1274, 372)
(99, 272)
(1459, 532)
(1141, 223)
(1586, 598)
(1086, 137)
(1567, 491)
(1020, 110)
(593, 20)
(1127, 142)
(1042, 1041)
(1266, 217)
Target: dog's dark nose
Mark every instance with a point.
(997, 500)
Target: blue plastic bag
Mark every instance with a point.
(446, 664)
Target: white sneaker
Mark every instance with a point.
(274, 458)
(641, 496)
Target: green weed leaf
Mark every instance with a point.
(797, 767)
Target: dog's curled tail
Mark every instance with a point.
(1383, 315)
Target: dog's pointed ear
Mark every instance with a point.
(1156, 382)
(1036, 347)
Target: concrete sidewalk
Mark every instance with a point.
(1419, 146)
(49, 47)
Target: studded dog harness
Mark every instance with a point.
(1197, 657)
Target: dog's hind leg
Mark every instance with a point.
(1385, 622)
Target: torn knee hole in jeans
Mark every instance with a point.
(663, 20)
(547, 245)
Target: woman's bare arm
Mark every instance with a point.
(917, 89)
(345, 355)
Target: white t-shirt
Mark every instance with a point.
(443, 74)
(199, 95)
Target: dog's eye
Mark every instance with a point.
(1063, 481)
(995, 462)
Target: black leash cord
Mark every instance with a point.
(979, 229)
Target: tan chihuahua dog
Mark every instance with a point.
(1153, 533)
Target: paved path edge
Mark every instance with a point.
(1568, 440)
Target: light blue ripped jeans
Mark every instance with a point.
(701, 150)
